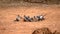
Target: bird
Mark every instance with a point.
(17, 18)
(28, 19)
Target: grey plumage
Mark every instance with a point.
(27, 18)
(38, 18)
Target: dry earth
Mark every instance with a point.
(8, 15)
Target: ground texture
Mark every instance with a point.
(8, 15)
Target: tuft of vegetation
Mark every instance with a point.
(44, 30)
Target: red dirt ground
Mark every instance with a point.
(8, 15)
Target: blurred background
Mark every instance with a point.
(27, 2)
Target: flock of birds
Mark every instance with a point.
(30, 19)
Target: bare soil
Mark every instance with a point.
(8, 15)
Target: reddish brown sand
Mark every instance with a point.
(8, 15)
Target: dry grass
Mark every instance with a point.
(43, 30)
(14, 3)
